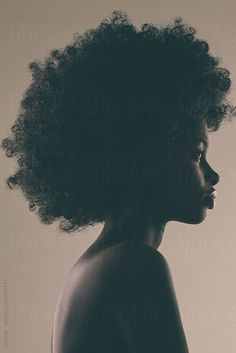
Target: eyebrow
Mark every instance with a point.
(203, 141)
(196, 141)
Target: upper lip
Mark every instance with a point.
(212, 193)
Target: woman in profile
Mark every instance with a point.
(114, 129)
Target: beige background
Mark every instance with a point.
(36, 258)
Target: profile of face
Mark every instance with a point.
(188, 180)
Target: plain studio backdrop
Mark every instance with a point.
(36, 258)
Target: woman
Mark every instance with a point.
(114, 129)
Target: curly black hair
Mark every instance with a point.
(94, 121)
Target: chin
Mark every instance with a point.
(195, 217)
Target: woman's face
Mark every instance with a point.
(190, 178)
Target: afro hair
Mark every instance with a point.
(93, 123)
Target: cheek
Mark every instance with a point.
(195, 177)
(187, 179)
(183, 178)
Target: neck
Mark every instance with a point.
(133, 228)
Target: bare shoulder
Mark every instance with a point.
(125, 255)
(133, 259)
(127, 273)
(125, 287)
(92, 291)
(143, 294)
(135, 262)
(132, 253)
(119, 271)
(122, 264)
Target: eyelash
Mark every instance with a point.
(198, 152)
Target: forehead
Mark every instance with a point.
(194, 136)
(202, 135)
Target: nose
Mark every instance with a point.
(212, 177)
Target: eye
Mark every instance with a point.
(198, 154)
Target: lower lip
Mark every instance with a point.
(209, 202)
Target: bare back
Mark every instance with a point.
(105, 292)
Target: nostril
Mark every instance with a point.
(216, 179)
(213, 177)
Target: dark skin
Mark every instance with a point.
(123, 269)
(181, 198)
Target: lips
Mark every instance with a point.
(211, 194)
(209, 199)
